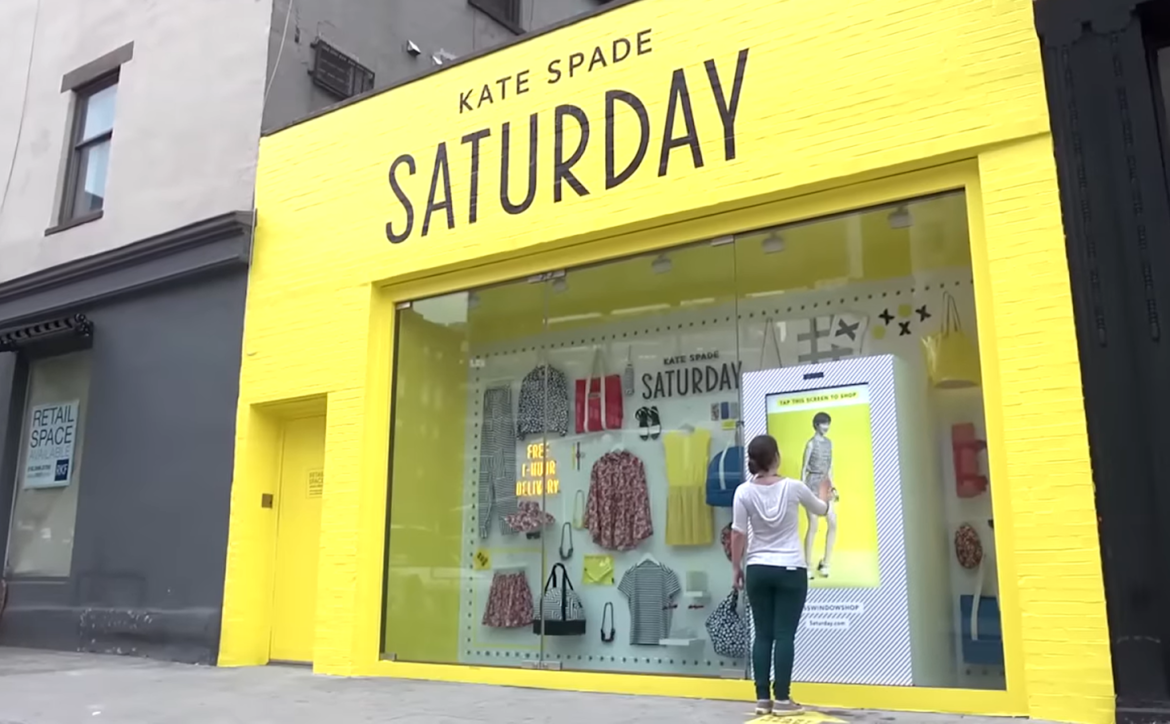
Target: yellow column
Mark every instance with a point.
(1042, 480)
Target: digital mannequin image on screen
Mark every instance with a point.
(842, 550)
(816, 468)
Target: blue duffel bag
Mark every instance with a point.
(724, 475)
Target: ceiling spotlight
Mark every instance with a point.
(900, 218)
(412, 49)
(772, 243)
(661, 265)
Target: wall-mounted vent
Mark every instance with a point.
(337, 73)
(505, 12)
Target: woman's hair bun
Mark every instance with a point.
(762, 454)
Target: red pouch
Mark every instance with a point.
(969, 483)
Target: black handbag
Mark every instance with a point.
(560, 612)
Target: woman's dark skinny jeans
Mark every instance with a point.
(776, 595)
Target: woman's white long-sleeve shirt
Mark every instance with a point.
(768, 515)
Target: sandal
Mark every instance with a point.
(655, 426)
(643, 418)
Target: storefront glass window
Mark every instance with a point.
(459, 443)
(48, 475)
(661, 366)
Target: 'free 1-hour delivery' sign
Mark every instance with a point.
(49, 446)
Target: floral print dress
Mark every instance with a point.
(617, 512)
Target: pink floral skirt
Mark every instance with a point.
(509, 603)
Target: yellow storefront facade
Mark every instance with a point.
(509, 324)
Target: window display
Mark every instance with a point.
(53, 436)
(566, 449)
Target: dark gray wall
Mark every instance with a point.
(10, 391)
(1110, 142)
(155, 480)
(376, 32)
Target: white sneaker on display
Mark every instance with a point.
(823, 569)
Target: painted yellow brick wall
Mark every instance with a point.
(1054, 526)
(835, 92)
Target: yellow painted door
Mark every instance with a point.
(298, 538)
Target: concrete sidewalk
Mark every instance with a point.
(57, 688)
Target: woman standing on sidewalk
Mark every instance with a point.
(766, 525)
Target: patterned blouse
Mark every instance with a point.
(537, 415)
(617, 512)
(820, 459)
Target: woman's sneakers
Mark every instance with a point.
(766, 707)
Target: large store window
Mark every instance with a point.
(48, 473)
(589, 423)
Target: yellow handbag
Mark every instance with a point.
(598, 570)
(952, 359)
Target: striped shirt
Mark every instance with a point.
(650, 588)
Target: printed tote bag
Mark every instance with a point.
(561, 612)
(728, 628)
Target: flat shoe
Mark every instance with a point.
(643, 418)
(655, 423)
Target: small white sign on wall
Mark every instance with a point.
(50, 444)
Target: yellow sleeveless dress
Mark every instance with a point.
(689, 520)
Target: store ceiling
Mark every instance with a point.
(877, 244)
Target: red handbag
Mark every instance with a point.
(599, 398)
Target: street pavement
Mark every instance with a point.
(64, 688)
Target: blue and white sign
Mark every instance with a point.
(50, 442)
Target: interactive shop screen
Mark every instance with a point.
(825, 435)
(838, 422)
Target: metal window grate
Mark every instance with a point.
(337, 73)
(78, 326)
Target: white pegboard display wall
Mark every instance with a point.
(888, 317)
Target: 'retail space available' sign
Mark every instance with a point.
(580, 144)
(50, 445)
